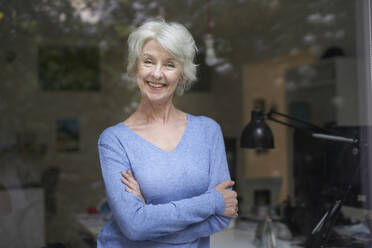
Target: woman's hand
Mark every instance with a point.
(132, 184)
(230, 197)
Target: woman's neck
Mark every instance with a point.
(149, 112)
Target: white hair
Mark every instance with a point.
(174, 38)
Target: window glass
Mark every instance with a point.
(64, 80)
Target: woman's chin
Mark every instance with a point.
(158, 97)
(161, 95)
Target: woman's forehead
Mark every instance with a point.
(153, 48)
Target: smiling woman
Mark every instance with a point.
(165, 171)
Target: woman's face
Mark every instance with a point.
(158, 73)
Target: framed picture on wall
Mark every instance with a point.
(69, 68)
(68, 135)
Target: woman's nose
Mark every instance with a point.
(157, 72)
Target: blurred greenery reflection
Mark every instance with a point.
(43, 41)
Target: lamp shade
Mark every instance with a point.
(256, 134)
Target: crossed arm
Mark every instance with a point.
(174, 222)
(203, 229)
(229, 196)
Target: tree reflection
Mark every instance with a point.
(244, 30)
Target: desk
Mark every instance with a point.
(91, 223)
(232, 238)
(241, 236)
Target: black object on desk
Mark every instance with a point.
(258, 135)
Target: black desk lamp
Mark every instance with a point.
(258, 135)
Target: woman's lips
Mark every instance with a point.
(156, 85)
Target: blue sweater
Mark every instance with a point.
(182, 207)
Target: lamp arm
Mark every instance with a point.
(308, 124)
(269, 117)
(334, 138)
(310, 127)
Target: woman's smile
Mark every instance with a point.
(156, 85)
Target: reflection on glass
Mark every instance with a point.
(65, 60)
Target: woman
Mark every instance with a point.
(173, 164)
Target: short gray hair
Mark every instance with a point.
(174, 38)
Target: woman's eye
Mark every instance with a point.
(148, 62)
(171, 65)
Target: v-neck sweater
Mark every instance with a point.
(182, 207)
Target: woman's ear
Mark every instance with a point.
(180, 80)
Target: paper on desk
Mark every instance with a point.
(357, 231)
